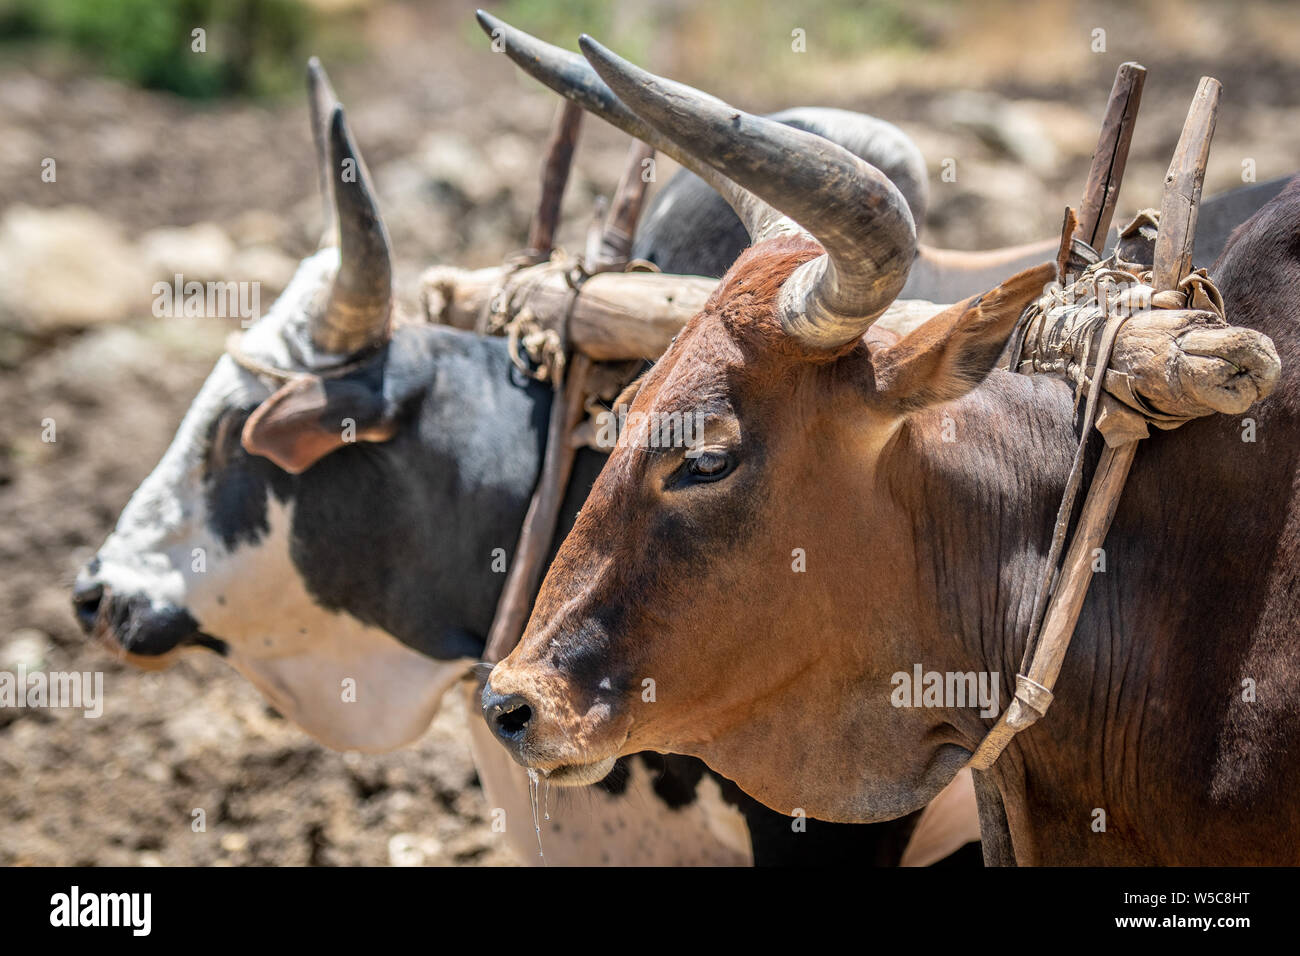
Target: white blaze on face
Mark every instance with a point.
(351, 686)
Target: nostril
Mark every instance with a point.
(514, 722)
(85, 604)
(507, 714)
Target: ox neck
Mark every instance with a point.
(437, 500)
(992, 468)
(990, 472)
(1163, 639)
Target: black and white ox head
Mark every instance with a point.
(297, 525)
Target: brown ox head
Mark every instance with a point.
(745, 595)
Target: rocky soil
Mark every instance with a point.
(148, 185)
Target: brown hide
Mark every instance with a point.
(1152, 724)
(925, 551)
(694, 584)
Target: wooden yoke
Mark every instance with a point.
(1044, 657)
(1100, 194)
(1173, 261)
(567, 408)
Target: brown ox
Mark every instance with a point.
(1177, 712)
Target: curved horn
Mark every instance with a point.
(320, 95)
(573, 78)
(849, 206)
(361, 298)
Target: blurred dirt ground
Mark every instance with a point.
(149, 184)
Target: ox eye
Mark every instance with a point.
(709, 466)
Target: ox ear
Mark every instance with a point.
(310, 417)
(952, 352)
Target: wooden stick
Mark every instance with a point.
(1076, 573)
(1183, 182)
(516, 601)
(1172, 261)
(555, 176)
(620, 226)
(618, 315)
(1101, 192)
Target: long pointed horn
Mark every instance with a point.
(573, 78)
(361, 299)
(320, 95)
(849, 206)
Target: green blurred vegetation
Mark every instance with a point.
(252, 46)
(742, 31)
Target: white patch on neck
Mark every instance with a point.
(299, 654)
